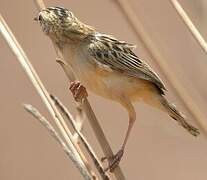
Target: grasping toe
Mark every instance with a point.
(78, 90)
(113, 161)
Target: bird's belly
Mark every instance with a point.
(113, 85)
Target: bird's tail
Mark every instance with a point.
(176, 115)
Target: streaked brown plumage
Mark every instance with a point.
(107, 67)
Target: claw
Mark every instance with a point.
(78, 90)
(113, 161)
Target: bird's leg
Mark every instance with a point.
(114, 161)
(78, 90)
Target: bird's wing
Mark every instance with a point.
(118, 55)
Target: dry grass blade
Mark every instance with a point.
(142, 35)
(34, 112)
(87, 109)
(89, 149)
(32, 75)
(191, 27)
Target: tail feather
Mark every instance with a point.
(176, 115)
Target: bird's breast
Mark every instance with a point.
(104, 81)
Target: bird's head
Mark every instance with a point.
(60, 24)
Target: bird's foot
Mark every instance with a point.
(78, 90)
(113, 161)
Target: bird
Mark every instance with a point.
(109, 68)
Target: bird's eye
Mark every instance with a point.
(40, 18)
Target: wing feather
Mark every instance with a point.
(118, 55)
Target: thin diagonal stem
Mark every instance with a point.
(96, 127)
(34, 112)
(191, 27)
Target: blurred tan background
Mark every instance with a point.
(158, 148)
